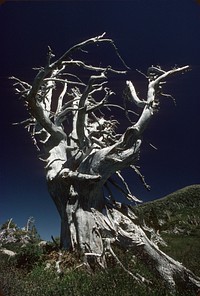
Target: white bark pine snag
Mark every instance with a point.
(82, 151)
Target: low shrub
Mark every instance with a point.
(28, 256)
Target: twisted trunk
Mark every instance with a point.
(74, 200)
(90, 224)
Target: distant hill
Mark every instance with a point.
(179, 209)
(177, 218)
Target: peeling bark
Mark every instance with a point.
(82, 150)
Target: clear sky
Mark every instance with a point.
(165, 33)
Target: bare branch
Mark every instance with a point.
(142, 73)
(60, 100)
(133, 96)
(152, 101)
(66, 173)
(79, 46)
(38, 97)
(102, 102)
(110, 194)
(30, 221)
(9, 223)
(21, 82)
(81, 122)
(138, 278)
(124, 182)
(125, 192)
(26, 122)
(169, 96)
(65, 81)
(168, 73)
(92, 68)
(141, 176)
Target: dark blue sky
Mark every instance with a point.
(146, 32)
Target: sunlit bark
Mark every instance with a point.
(82, 151)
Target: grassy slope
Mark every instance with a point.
(177, 217)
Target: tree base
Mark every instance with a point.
(117, 226)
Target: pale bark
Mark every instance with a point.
(82, 150)
(7, 252)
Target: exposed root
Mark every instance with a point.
(138, 278)
(120, 228)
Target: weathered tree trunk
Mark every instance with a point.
(82, 151)
(74, 200)
(91, 226)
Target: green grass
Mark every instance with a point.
(37, 281)
(185, 249)
(40, 282)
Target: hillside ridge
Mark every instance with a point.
(178, 210)
(180, 193)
